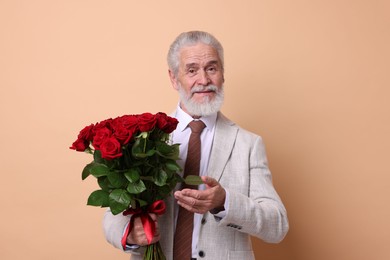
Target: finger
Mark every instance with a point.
(183, 195)
(157, 232)
(194, 204)
(138, 236)
(187, 200)
(189, 207)
(137, 225)
(153, 216)
(196, 194)
(194, 198)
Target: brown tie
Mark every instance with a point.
(185, 220)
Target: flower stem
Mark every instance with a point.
(154, 252)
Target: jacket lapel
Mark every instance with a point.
(224, 139)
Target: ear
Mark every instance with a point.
(173, 79)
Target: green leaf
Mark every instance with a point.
(97, 156)
(163, 148)
(172, 165)
(160, 177)
(119, 200)
(104, 183)
(132, 175)
(193, 180)
(141, 202)
(150, 152)
(168, 151)
(176, 178)
(98, 198)
(138, 203)
(136, 188)
(117, 179)
(86, 171)
(99, 170)
(144, 155)
(143, 148)
(165, 190)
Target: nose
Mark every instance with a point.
(203, 79)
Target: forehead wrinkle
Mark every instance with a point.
(192, 64)
(208, 63)
(199, 54)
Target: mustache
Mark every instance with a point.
(204, 88)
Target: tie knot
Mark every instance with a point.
(197, 126)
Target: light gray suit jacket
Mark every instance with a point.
(238, 161)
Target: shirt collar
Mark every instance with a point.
(184, 119)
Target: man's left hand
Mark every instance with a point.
(201, 201)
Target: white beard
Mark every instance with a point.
(206, 107)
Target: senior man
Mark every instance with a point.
(237, 199)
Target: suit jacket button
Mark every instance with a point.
(201, 253)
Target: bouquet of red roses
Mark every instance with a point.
(135, 167)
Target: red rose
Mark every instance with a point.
(122, 134)
(103, 124)
(110, 148)
(172, 124)
(146, 122)
(80, 145)
(166, 123)
(124, 128)
(83, 139)
(161, 119)
(86, 133)
(100, 135)
(130, 122)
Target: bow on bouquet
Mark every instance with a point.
(135, 167)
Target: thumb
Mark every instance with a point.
(210, 182)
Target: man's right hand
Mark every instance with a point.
(137, 235)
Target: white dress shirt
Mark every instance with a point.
(181, 136)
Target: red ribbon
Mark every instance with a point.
(158, 207)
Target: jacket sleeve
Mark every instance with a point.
(114, 227)
(254, 206)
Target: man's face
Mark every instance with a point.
(199, 80)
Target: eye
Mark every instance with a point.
(192, 71)
(212, 69)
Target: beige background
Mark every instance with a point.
(311, 77)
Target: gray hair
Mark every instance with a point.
(191, 38)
